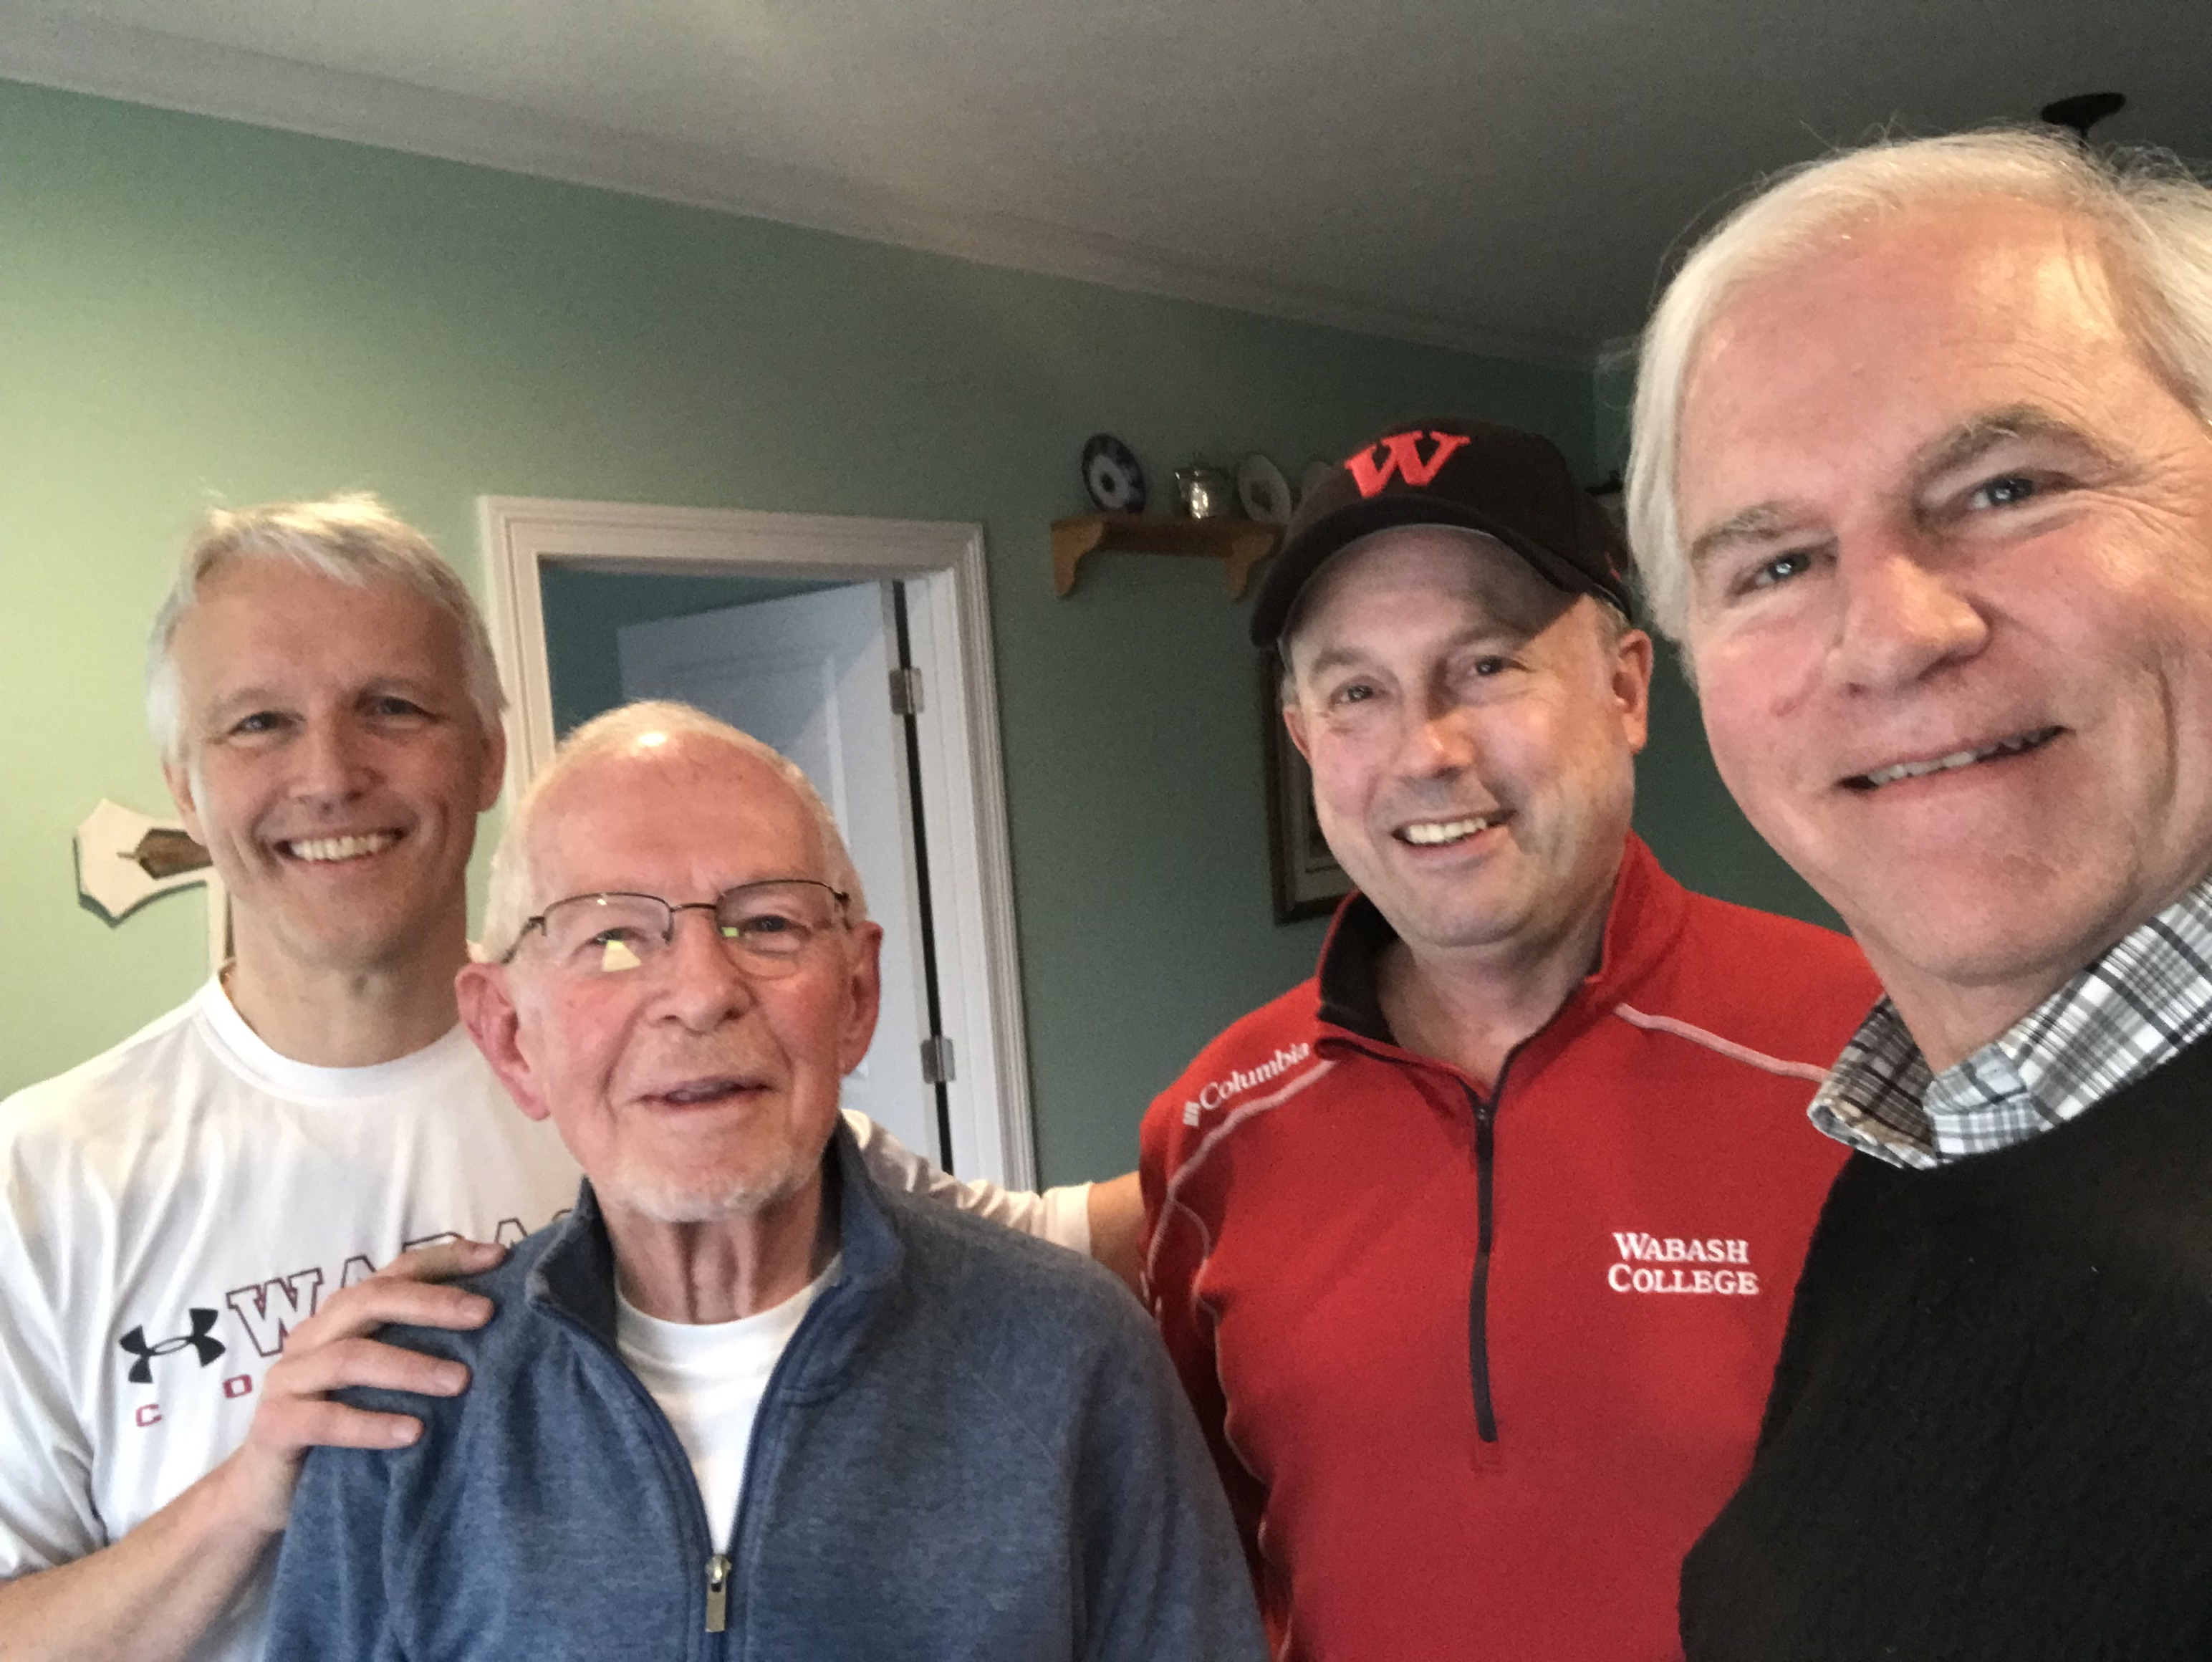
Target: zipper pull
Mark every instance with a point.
(718, 1593)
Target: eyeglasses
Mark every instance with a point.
(766, 926)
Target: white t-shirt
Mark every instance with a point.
(171, 1208)
(710, 1378)
(169, 1211)
(1061, 1216)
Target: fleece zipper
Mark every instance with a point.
(719, 1568)
(1486, 1229)
(1484, 1114)
(676, 1467)
(1477, 1296)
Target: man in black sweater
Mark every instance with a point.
(1923, 482)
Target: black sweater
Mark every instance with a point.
(1991, 1432)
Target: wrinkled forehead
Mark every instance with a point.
(684, 819)
(1448, 574)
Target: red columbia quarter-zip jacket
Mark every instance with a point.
(1478, 1365)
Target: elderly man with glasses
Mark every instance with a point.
(740, 1390)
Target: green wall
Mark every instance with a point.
(194, 311)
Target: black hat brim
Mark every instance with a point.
(1296, 560)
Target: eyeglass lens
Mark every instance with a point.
(766, 926)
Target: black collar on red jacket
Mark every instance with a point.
(1351, 972)
(1647, 911)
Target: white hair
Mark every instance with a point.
(352, 539)
(512, 895)
(2152, 217)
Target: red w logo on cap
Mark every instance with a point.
(1401, 455)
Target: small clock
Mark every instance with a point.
(1111, 475)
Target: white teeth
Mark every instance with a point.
(340, 848)
(1434, 831)
(1957, 759)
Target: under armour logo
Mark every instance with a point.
(198, 1340)
(1401, 454)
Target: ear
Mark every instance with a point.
(864, 990)
(1294, 723)
(488, 1011)
(179, 778)
(495, 765)
(1631, 685)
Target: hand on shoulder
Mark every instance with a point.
(335, 1349)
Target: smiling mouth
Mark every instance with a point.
(1443, 833)
(2018, 744)
(335, 850)
(701, 1090)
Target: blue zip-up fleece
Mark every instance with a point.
(973, 1447)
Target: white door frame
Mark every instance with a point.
(963, 778)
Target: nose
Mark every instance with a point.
(701, 985)
(1902, 617)
(333, 767)
(1440, 738)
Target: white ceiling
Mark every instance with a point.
(1506, 174)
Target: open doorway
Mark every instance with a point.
(860, 649)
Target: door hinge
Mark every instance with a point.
(905, 692)
(937, 1060)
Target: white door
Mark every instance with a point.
(811, 675)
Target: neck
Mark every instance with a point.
(353, 1016)
(1471, 1006)
(1950, 1022)
(728, 1269)
(1950, 1019)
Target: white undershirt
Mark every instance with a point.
(710, 1378)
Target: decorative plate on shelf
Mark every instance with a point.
(1263, 491)
(1111, 475)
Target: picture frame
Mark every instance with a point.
(1308, 881)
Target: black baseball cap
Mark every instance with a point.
(1506, 483)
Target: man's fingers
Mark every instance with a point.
(379, 1302)
(359, 1362)
(442, 1261)
(319, 1422)
(332, 1351)
(295, 1415)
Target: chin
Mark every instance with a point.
(2008, 944)
(692, 1197)
(355, 943)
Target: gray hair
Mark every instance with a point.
(511, 894)
(2152, 216)
(353, 539)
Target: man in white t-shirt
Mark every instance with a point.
(200, 1228)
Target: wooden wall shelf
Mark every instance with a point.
(1243, 543)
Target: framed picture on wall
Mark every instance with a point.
(1308, 880)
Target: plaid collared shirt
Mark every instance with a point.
(2132, 1009)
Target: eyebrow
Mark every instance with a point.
(1330, 660)
(1961, 447)
(1504, 632)
(1977, 435)
(1757, 524)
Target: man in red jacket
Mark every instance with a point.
(1475, 1251)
